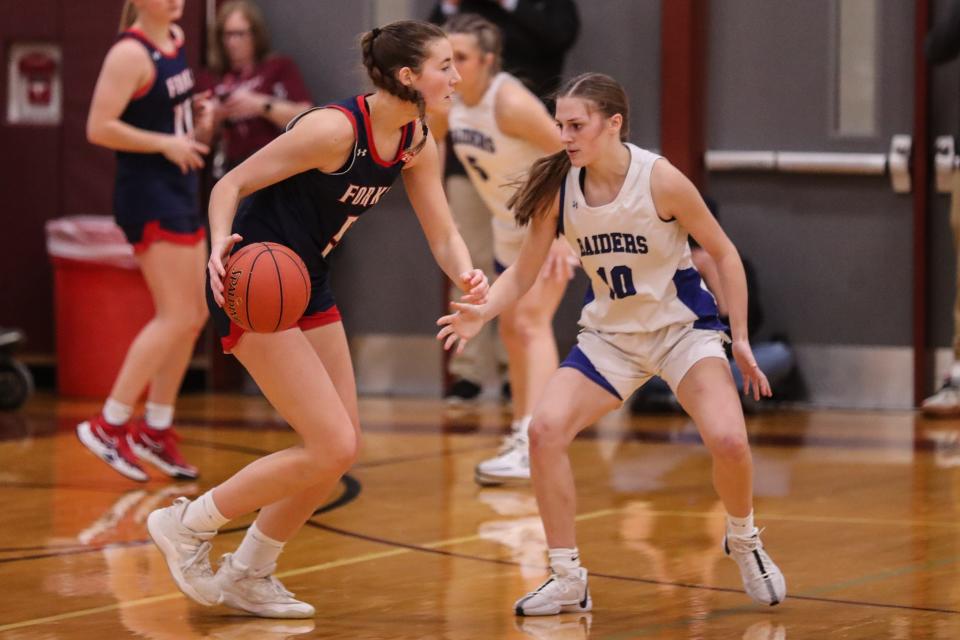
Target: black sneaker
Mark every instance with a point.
(462, 390)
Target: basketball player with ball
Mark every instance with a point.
(306, 188)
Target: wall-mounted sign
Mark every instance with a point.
(34, 94)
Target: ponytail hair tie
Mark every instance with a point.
(375, 32)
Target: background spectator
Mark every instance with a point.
(257, 91)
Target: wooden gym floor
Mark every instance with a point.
(860, 511)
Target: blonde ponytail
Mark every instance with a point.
(128, 16)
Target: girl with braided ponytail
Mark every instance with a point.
(627, 214)
(306, 188)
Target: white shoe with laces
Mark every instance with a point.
(945, 403)
(258, 592)
(762, 579)
(567, 593)
(186, 551)
(510, 465)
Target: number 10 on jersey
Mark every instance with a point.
(620, 281)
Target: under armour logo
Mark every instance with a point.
(156, 55)
(361, 152)
(574, 204)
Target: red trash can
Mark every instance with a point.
(101, 302)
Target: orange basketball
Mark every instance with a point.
(266, 287)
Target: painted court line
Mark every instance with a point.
(367, 557)
(476, 537)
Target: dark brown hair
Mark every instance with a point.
(218, 59)
(536, 194)
(488, 35)
(128, 15)
(388, 49)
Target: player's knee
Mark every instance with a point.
(194, 320)
(546, 433)
(731, 447)
(338, 453)
(526, 327)
(200, 319)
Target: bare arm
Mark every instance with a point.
(675, 197)
(244, 103)
(520, 114)
(711, 276)
(421, 178)
(126, 68)
(321, 140)
(513, 283)
(468, 319)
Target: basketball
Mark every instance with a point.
(266, 287)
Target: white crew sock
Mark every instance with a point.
(258, 550)
(203, 515)
(564, 561)
(742, 527)
(116, 413)
(159, 416)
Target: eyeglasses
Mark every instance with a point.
(236, 33)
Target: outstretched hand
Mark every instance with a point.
(461, 325)
(476, 286)
(753, 377)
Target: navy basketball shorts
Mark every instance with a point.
(183, 230)
(321, 310)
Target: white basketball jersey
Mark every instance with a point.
(641, 275)
(493, 159)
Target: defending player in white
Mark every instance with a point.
(627, 214)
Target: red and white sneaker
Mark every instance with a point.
(159, 448)
(109, 443)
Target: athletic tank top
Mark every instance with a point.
(311, 211)
(641, 275)
(148, 186)
(493, 160)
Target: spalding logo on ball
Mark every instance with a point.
(266, 287)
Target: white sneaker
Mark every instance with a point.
(945, 402)
(568, 593)
(258, 592)
(510, 465)
(186, 551)
(762, 579)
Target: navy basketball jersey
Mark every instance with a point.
(311, 211)
(148, 186)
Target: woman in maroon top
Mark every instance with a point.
(258, 91)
